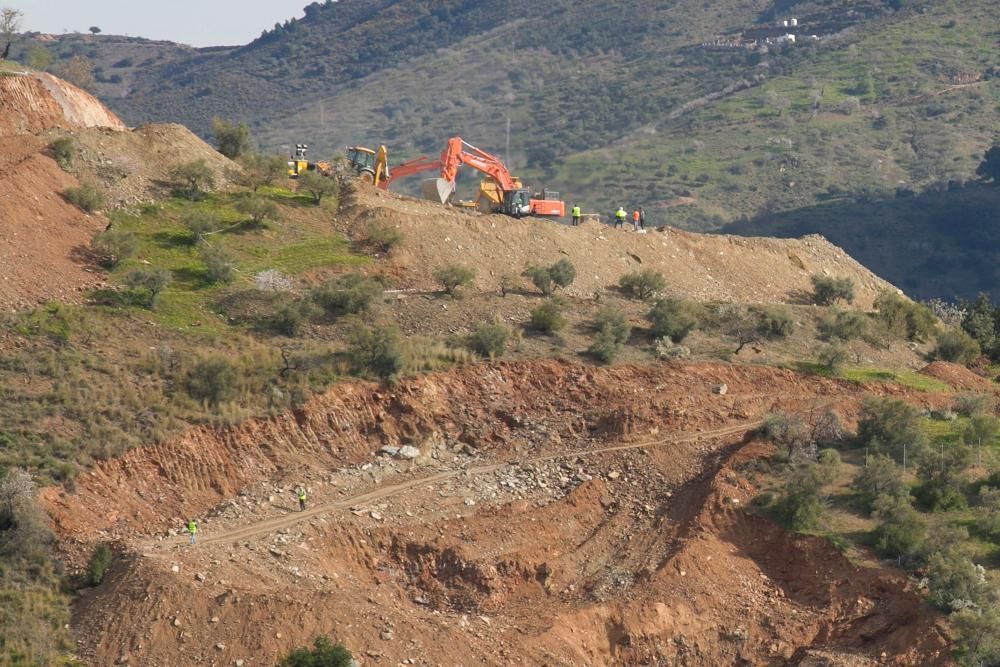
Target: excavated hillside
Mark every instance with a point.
(547, 513)
(44, 239)
(704, 267)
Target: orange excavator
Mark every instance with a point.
(499, 192)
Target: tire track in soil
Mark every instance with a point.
(271, 525)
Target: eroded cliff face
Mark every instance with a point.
(32, 102)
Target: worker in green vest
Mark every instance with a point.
(192, 528)
(620, 217)
(576, 216)
(301, 493)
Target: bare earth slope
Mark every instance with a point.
(704, 267)
(556, 514)
(44, 239)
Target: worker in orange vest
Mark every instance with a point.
(635, 220)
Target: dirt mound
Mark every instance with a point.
(704, 267)
(133, 167)
(33, 102)
(43, 238)
(958, 377)
(518, 534)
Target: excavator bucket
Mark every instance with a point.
(437, 189)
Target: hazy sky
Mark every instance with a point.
(195, 22)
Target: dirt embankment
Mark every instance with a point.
(704, 267)
(33, 102)
(554, 514)
(44, 239)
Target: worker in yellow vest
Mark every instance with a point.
(192, 528)
(301, 493)
(620, 217)
(576, 215)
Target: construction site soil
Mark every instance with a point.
(704, 267)
(536, 513)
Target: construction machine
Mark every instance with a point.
(299, 163)
(499, 192)
(373, 165)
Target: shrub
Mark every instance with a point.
(383, 237)
(828, 290)
(789, 432)
(642, 285)
(260, 210)
(547, 279)
(195, 176)
(231, 140)
(604, 347)
(563, 273)
(290, 318)
(98, 564)
(955, 582)
(832, 357)
(802, 505)
(880, 477)
(664, 348)
(260, 170)
(843, 325)
(978, 635)
(672, 318)
(212, 380)
(489, 340)
(199, 224)
(113, 246)
(349, 294)
(323, 654)
(453, 276)
(904, 318)
(425, 354)
(901, 532)
(318, 186)
(754, 325)
(888, 426)
(86, 197)
(148, 282)
(774, 322)
(63, 151)
(219, 265)
(376, 351)
(541, 279)
(612, 332)
(548, 317)
(968, 405)
(509, 283)
(956, 346)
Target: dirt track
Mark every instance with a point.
(550, 519)
(370, 497)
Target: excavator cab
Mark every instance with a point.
(517, 203)
(372, 166)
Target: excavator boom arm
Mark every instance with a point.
(459, 153)
(414, 166)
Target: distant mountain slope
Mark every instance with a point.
(936, 244)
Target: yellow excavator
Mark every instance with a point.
(371, 165)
